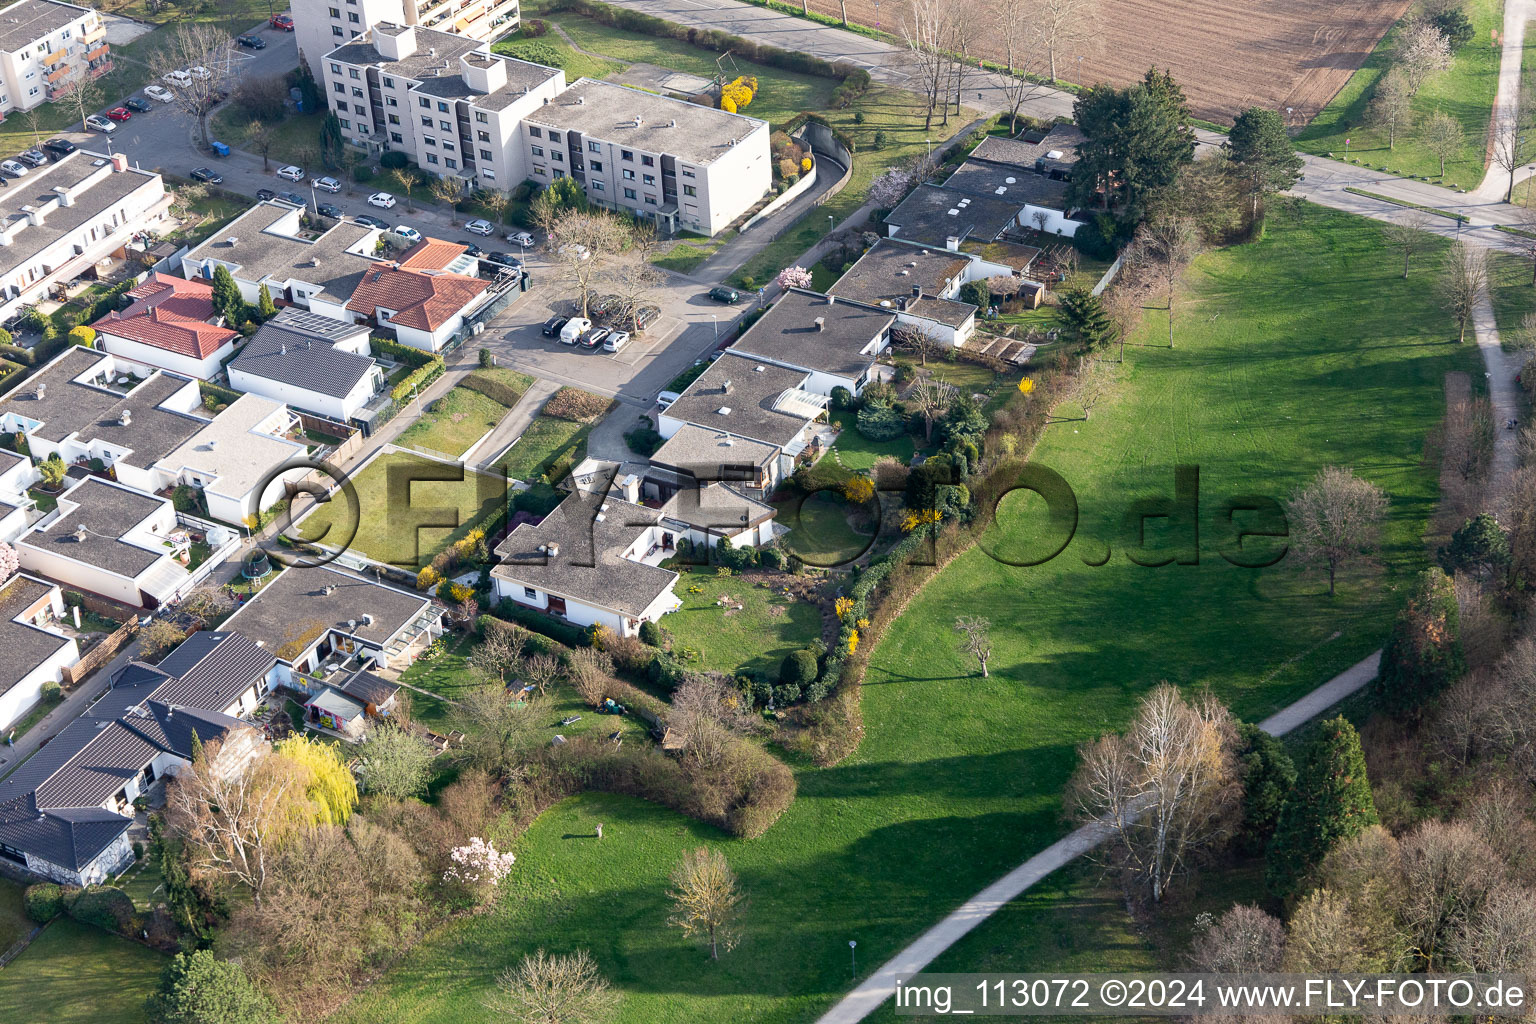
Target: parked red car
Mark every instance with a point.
(282, 22)
(119, 114)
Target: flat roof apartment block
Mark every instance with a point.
(323, 25)
(48, 48)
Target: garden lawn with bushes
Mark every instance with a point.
(454, 422)
(852, 450)
(1465, 91)
(407, 521)
(14, 924)
(78, 974)
(819, 531)
(551, 51)
(547, 441)
(1303, 350)
(756, 638)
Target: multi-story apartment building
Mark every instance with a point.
(323, 25)
(680, 164)
(445, 100)
(45, 48)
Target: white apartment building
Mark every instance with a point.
(46, 47)
(323, 25)
(683, 165)
(444, 100)
(66, 218)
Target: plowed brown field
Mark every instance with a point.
(1227, 55)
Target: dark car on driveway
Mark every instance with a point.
(471, 248)
(594, 338)
(506, 259)
(371, 222)
(263, 194)
(138, 106)
(294, 198)
(251, 42)
(553, 324)
(720, 293)
(329, 210)
(207, 174)
(59, 147)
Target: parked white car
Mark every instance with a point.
(200, 72)
(180, 79)
(291, 173)
(408, 233)
(327, 184)
(160, 93)
(666, 398)
(97, 123)
(616, 341)
(15, 167)
(383, 200)
(574, 328)
(520, 238)
(483, 228)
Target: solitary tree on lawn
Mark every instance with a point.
(1262, 154)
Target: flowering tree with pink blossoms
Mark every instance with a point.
(9, 563)
(794, 277)
(478, 867)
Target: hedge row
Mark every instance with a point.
(400, 353)
(418, 379)
(539, 622)
(215, 395)
(490, 387)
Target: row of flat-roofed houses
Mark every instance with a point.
(744, 424)
(333, 639)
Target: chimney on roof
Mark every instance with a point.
(821, 323)
(42, 390)
(126, 419)
(632, 488)
(553, 550)
(65, 197)
(34, 215)
(119, 162)
(725, 387)
(952, 243)
(917, 291)
(367, 618)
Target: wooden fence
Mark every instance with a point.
(100, 654)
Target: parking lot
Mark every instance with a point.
(687, 329)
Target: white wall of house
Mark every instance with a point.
(23, 697)
(187, 366)
(340, 409)
(581, 613)
(1056, 222)
(428, 341)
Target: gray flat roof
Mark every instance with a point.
(1008, 184)
(25, 645)
(96, 413)
(754, 387)
(259, 253)
(448, 83)
(293, 611)
(433, 48)
(87, 205)
(886, 274)
(931, 214)
(286, 350)
(1062, 139)
(644, 120)
(716, 506)
(107, 511)
(590, 566)
(845, 342)
(702, 452)
(30, 20)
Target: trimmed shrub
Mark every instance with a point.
(539, 622)
(417, 380)
(770, 558)
(576, 405)
(842, 398)
(50, 690)
(44, 902)
(394, 160)
(644, 440)
(735, 558)
(797, 669)
(879, 421)
(491, 388)
(654, 633)
(105, 906)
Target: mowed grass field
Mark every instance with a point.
(76, 974)
(1296, 352)
(1465, 92)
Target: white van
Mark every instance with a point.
(574, 328)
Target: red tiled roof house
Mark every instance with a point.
(171, 325)
(425, 308)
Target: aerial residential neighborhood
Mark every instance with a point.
(658, 512)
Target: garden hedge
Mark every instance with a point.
(418, 379)
(400, 353)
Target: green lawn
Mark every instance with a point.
(13, 914)
(819, 531)
(687, 255)
(294, 140)
(544, 443)
(757, 637)
(406, 514)
(1509, 286)
(856, 452)
(551, 51)
(454, 423)
(1302, 350)
(76, 974)
(1465, 91)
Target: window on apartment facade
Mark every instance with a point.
(650, 200)
(389, 83)
(355, 34)
(450, 163)
(598, 186)
(530, 593)
(557, 156)
(389, 101)
(427, 121)
(629, 175)
(336, 31)
(482, 117)
(394, 118)
(32, 91)
(537, 150)
(554, 136)
(345, 123)
(689, 190)
(534, 133)
(629, 193)
(625, 154)
(335, 68)
(485, 154)
(596, 165)
(339, 87)
(341, 105)
(426, 104)
(357, 92)
(357, 108)
(445, 126)
(447, 145)
(483, 136)
(650, 179)
(539, 170)
(559, 173)
(488, 173)
(594, 147)
(647, 161)
(429, 140)
(687, 172)
(441, 106)
(431, 158)
(353, 73)
(334, 12)
(353, 18)
(396, 137)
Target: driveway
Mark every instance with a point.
(689, 327)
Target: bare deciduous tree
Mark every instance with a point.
(448, 192)
(1508, 145)
(929, 29)
(407, 179)
(584, 244)
(1500, 935)
(915, 339)
(1064, 24)
(1167, 789)
(1244, 940)
(539, 671)
(1443, 136)
(546, 988)
(1335, 520)
(234, 810)
(976, 639)
(705, 899)
(495, 201)
(500, 650)
(1410, 233)
(1450, 874)
(890, 187)
(588, 670)
(1391, 106)
(633, 276)
(498, 728)
(1462, 279)
(203, 45)
(1165, 246)
(1420, 52)
(931, 398)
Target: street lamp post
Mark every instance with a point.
(716, 321)
(854, 956)
(830, 224)
(1079, 71)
